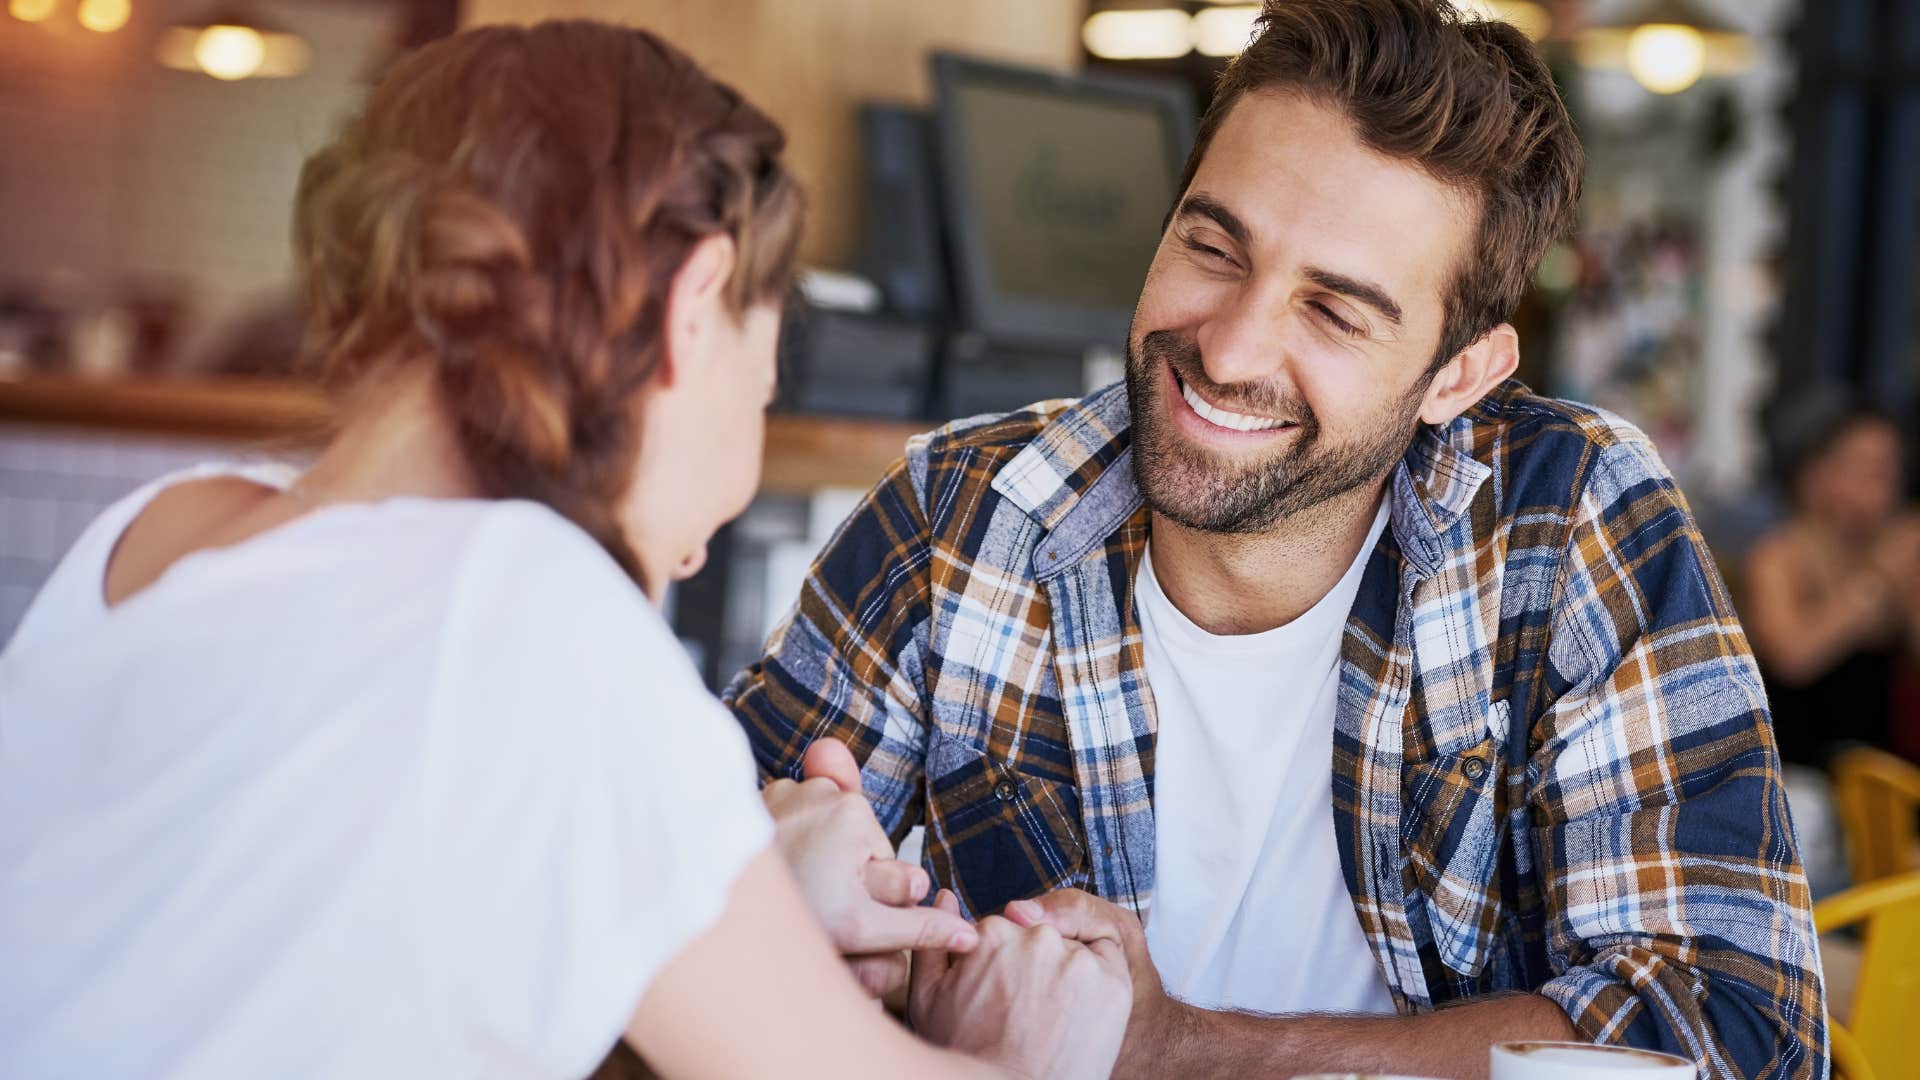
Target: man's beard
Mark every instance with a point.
(1210, 492)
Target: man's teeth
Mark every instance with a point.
(1225, 419)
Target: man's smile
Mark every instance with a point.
(1204, 419)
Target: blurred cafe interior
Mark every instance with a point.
(987, 182)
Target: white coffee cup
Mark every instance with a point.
(1585, 1061)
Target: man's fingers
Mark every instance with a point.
(1026, 913)
(883, 929)
(1112, 956)
(1077, 915)
(830, 758)
(895, 883)
(880, 975)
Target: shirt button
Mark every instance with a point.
(1474, 768)
(1004, 791)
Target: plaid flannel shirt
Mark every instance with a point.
(1553, 766)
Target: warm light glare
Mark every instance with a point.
(104, 16)
(229, 52)
(1666, 58)
(281, 55)
(1224, 31)
(1523, 15)
(32, 10)
(1151, 34)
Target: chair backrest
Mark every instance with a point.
(1849, 1062)
(1878, 799)
(1886, 1002)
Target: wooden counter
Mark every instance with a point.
(803, 453)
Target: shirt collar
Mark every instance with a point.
(1075, 479)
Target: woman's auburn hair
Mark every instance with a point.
(513, 204)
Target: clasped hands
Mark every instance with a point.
(1006, 990)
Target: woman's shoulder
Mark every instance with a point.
(535, 588)
(76, 590)
(551, 657)
(1783, 547)
(526, 552)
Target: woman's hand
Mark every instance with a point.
(1897, 556)
(865, 899)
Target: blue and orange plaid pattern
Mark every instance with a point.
(1553, 767)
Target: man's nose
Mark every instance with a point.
(1242, 344)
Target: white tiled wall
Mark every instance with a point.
(53, 481)
(118, 174)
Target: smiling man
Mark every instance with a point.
(1342, 677)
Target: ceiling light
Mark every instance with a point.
(1138, 34)
(104, 16)
(1666, 58)
(1224, 31)
(229, 52)
(32, 10)
(1666, 45)
(230, 45)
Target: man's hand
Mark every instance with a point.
(1027, 999)
(1170, 1038)
(1081, 916)
(864, 897)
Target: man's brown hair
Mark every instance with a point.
(1468, 100)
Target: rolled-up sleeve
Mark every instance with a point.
(1679, 914)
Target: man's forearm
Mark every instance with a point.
(1452, 1042)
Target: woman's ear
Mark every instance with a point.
(1467, 377)
(695, 300)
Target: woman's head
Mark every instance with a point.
(1843, 461)
(588, 240)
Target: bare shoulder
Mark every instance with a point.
(187, 517)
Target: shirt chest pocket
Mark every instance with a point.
(997, 833)
(1453, 826)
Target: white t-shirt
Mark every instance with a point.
(1250, 911)
(413, 788)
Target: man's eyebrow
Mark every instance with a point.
(1206, 206)
(1364, 291)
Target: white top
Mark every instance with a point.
(1250, 911)
(414, 788)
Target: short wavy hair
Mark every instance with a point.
(1468, 100)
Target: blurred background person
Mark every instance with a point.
(1833, 592)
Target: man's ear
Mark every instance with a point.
(1467, 377)
(695, 299)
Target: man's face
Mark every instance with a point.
(1281, 351)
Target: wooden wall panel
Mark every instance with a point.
(810, 62)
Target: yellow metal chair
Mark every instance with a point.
(1883, 1033)
(1878, 798)
(1849, 1062)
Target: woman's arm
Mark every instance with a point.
(762, 993)
(1798, 638)
(1899, 558)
